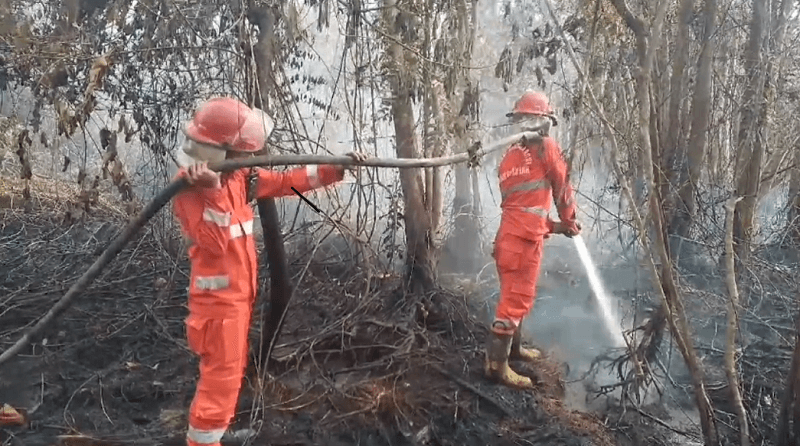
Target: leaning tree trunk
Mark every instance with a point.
(274, 253)
(677, 319)
(729, 357)
(420, 271)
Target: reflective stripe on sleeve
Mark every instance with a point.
(216, 217)
(211, 282)
(243, 228)
(205, 436)
(312, 172)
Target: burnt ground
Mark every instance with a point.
(358, 362)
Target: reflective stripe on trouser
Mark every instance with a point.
(201, 437)
(518, 262)
(223, 347)
(211, 282)
(241, 229)
(527, 186)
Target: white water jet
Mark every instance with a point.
(610, 318)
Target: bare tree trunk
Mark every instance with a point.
(750, 140)
(774, 56)
(793, 216)
(790, 403)
(420, 272)
(674, 145)
(463, 246)
(438, 142)
(647, 43)
(430, 116)
(776, 48)
(420, 253)
(718, 153)
(691, 168)
(733, 327)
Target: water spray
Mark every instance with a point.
(610, 318)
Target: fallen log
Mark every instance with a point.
(177, 185)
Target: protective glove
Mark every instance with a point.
(559, 227)
(200, 175)
(358, 157)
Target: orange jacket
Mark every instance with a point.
(219, 226)
(528, 177)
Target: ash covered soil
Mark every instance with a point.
(358, 362)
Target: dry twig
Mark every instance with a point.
(506, 411)
(733, 326)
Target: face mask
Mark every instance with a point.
(203, 152)
(539, 124)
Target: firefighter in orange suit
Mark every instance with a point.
(217, 220)
(530, 173)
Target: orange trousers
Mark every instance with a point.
(223, 348)
(518, 262)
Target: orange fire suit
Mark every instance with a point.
(219, 226)
(529, 175)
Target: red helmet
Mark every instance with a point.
(230, 124)
(533, 103)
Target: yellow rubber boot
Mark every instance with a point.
(10, 416)
(520, 353)
(496, 367)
